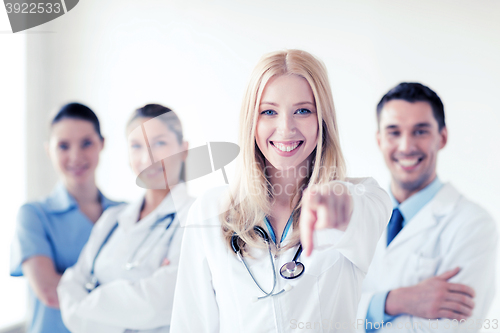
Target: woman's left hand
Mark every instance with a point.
(324, 206)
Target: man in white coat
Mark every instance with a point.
(434, 266)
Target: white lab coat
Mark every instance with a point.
(215, 292)
(137, 300)
(449, 231)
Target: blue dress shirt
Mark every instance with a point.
(55, 228)
(408, 208)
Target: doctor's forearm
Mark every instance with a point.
(395, 302)
(433, 298)
(416, 301)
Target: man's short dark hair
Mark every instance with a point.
(415, 92)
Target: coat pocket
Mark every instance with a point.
(425, 267)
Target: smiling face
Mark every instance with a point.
(409, 139)
(162, 143)
(74, 148)
(287, 125)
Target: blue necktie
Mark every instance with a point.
(395, 225)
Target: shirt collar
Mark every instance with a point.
(172, 203)
(60, 201)
(105, 202)
(411, 206)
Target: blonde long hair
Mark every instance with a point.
(251, 198)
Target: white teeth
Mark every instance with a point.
(77, 169)
(408, 162)
(286, 148)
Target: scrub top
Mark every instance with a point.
(56, 228)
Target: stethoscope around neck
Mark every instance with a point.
(290, 270)
(132, 263)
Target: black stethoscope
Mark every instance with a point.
(290, 270)
(132, 263)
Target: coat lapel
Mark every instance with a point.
(430, 215)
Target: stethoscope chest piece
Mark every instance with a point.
(131, 265)
(91, 285)
(291, 270)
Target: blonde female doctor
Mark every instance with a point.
(125, 277)
(288, 247)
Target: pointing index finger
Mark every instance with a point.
(306, 224)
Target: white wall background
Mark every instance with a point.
(196, 57)
(12, 166)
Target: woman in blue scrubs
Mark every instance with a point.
(50, 233)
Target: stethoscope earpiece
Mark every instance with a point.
(261, 233)
(234, 239)
(234, 243)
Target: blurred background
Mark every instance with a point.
(196, 57)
